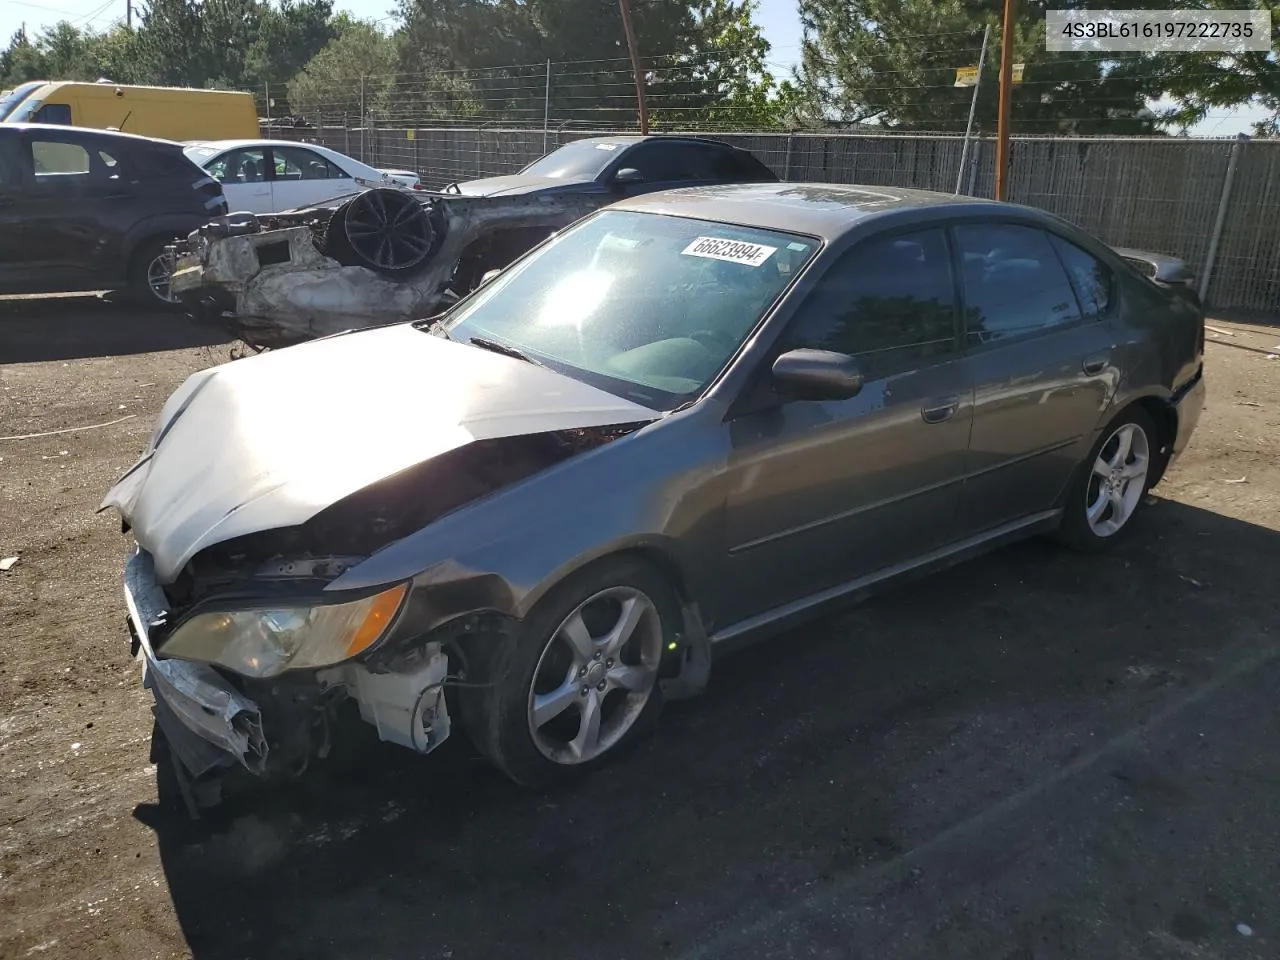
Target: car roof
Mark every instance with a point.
(87, 132)
(233, 144)
(641, 138)
(823, 210)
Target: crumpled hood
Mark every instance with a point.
(514, 184)
(270, 441)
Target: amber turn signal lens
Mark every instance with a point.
(384, 608)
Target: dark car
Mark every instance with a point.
(689, 419)
(279, 279)
(93, 210)
(626, 166)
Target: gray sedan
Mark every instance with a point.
(689, 419)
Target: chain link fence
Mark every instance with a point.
(1174, 195)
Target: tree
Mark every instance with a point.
(21, 62)
(1199, 82)
(354, 72)
(893, 62)
(723, 80)
(698, 55)
(171, 44)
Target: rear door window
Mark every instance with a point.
(295, 163)
(1014, 284)
(735, 165)
(57, 158)
(660, 162)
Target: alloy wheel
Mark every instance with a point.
(595, 676)
(1118, 480)
(389, 230)
(159, 276)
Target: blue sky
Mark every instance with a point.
(778, 19)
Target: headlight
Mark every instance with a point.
(264, 643)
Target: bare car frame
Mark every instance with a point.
(386, 255)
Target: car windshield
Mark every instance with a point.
(13, 98)
(581, 160)
(645, 306)
(24, 110)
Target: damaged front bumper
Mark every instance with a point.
(206, 721)
(209, 723)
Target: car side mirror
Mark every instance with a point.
(627, 175)
(816, 375)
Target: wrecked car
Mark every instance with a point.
(688, 420)
(384, 256)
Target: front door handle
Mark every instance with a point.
(1095, 365)
(941, 410)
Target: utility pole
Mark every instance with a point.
(128, 14)
(635, 65)
(1006, 93)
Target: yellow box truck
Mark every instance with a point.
(171, 113)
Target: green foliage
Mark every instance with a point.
(889, 62)
(234, 44)
(354, 70)
(1201, 82)
(894, 61)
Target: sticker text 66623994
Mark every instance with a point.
(733, 251)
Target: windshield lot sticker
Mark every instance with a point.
(733, 251)
(606, 146)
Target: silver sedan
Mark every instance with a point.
(691, 418)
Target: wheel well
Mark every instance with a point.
(1165, 418)
(141, 244)
(664, 563)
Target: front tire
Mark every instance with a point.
(1111, 485)
(578, 680)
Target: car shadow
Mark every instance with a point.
(75, 326)
(815, 758)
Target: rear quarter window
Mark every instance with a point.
(167, 164)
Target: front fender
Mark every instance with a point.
(654, 490)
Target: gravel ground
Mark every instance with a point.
(1036, 755)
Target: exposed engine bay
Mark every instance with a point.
(381, 256)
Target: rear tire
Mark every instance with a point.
(151, 262)
(1110, 487)
(577, 680)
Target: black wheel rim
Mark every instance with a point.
(389, 231)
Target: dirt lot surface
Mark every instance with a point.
(1035, 755)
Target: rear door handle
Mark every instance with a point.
(941, 410)
(1096, 364)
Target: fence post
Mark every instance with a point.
(1236, 149)
(546, 110)
(973, 107)
(973, 167)
(346, 135)
(363, 123)
(786, 164)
